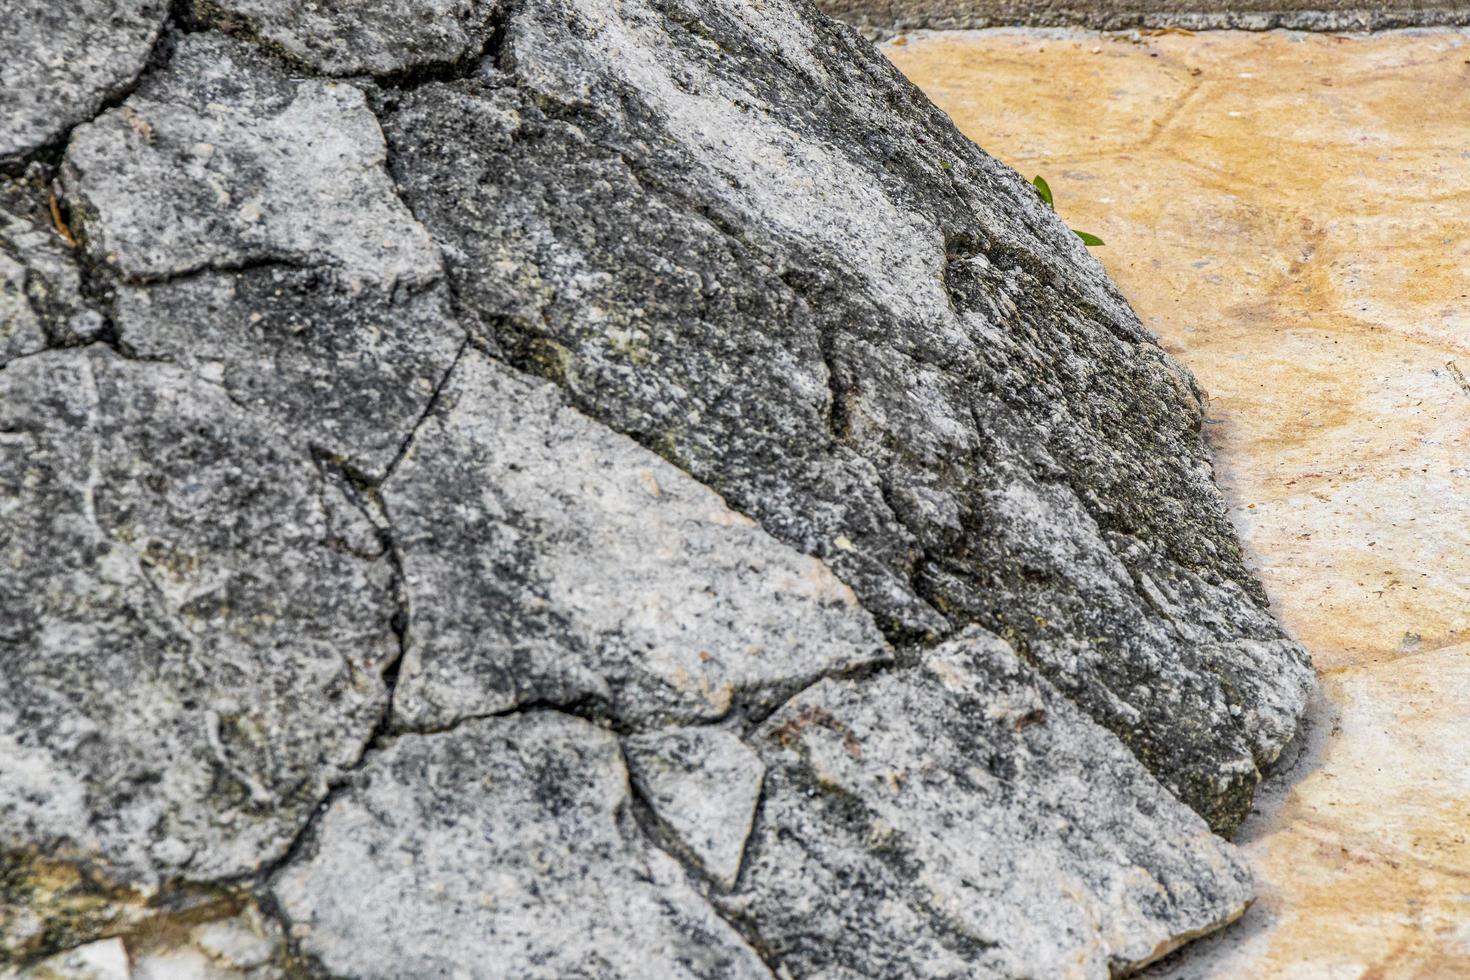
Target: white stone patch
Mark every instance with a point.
(703, 784)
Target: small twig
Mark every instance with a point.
(1459, 377)
(61, 227)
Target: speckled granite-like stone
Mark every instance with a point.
(60, 62)
(504, 846)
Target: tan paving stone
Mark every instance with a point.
(1291, 213)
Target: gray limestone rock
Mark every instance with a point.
(351, 37)
(347, 371)
(223, 162)
(962, 818)
(190, 651)
(505, 847)
(702, 785)
(59, 62)
(737, 235)
(549, 560)
(259, 243)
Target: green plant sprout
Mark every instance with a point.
(1043, 191)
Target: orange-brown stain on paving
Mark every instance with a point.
(1291, 214)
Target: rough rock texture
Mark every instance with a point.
(224, 161)
(41, 304)
(60, 62)
(703, 786)
(175, 586)
(670, 363)
(740, 239)
(963, 818)
(196, 194)
(1348, 478)
(548, 560)
(882, 17)
(509, 837)
(353, 37)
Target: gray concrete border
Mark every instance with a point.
(885, 17)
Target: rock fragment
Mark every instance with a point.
(60, 62)
(504, 846)
(259, 243)
(549, 560)
(190, 652)
(962, 818)
(702, 785)
(224, 162)
(367, 37)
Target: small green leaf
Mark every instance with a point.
(944, 165)
(1043, 189)
(1086, 238)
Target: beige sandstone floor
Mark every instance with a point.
(1291, 214)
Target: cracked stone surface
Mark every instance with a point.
(946, 399)
(349, 372)
(225, 161)
(703, 786)
(173, 590)
(550, 560)
(60, 62)
(335, 325)
(423, 443)
(508, 836)
(963, 818)
(360, 37)
(40, 287)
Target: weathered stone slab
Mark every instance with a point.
(352, 37)
(190, 647)
(326, 315)
(549, 560)
(60, 62)
(506, 847)
(702, 785)
(739, 237)
(349, 371)
(223, 162)
(962, 818)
